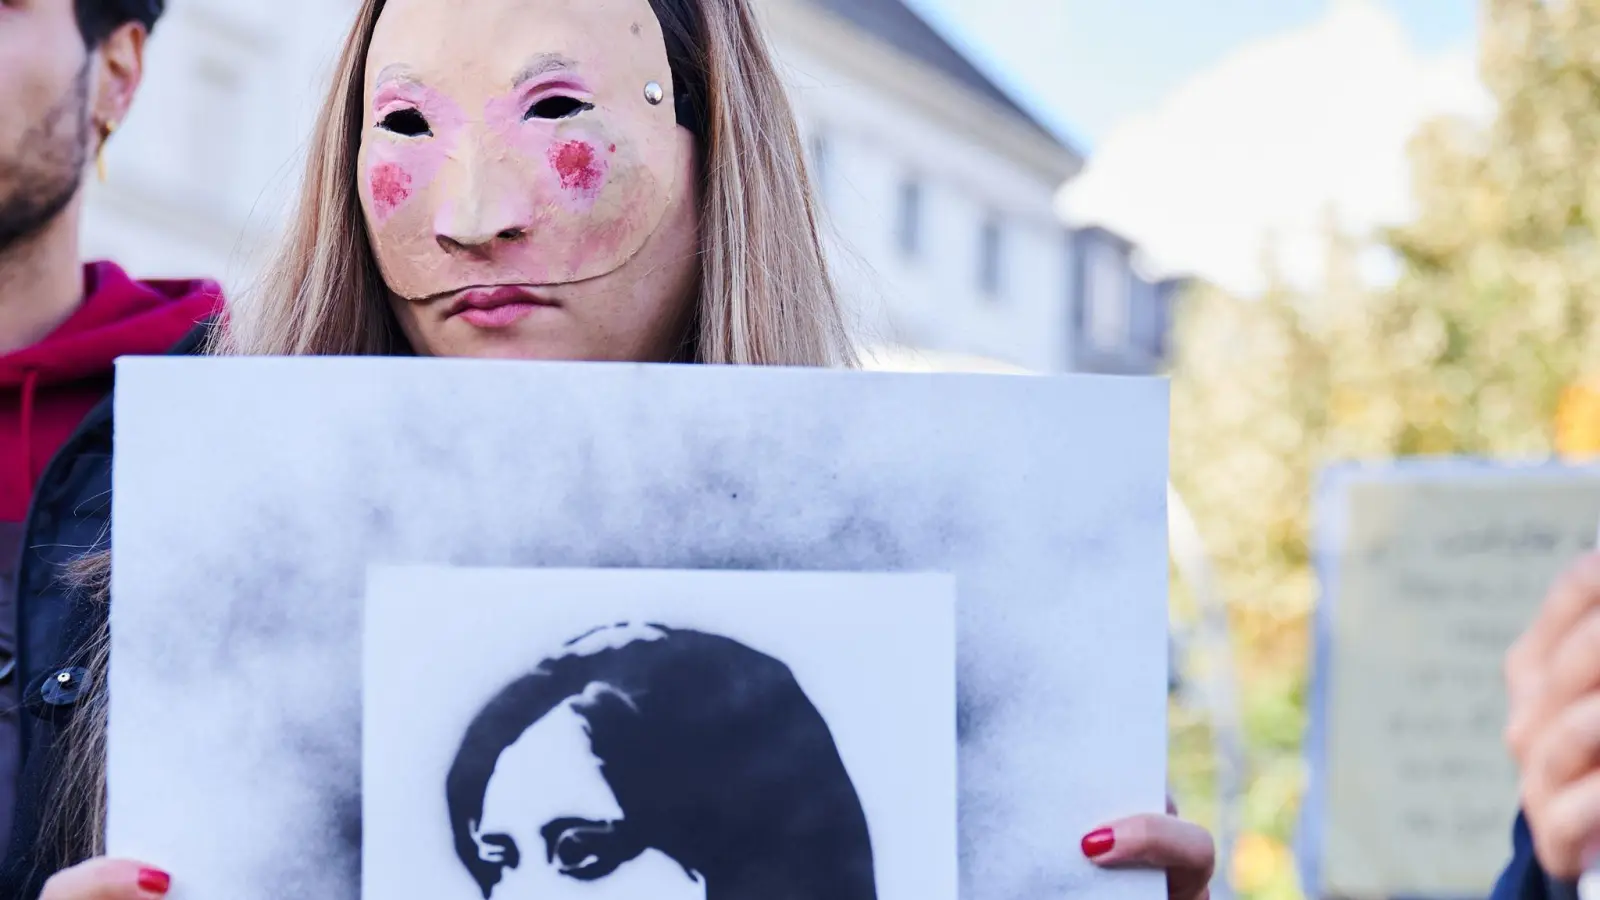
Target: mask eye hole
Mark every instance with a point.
(406, 123)
(558, 108)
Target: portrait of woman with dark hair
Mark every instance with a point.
(667, 763)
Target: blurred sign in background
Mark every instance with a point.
(1428, 572)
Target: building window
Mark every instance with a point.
(1108, 299)
(910, 220)
(1166, 295)
(991, 253)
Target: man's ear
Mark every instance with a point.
(118, 68)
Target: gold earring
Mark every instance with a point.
(106, 128)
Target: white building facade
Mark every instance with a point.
(938, 190)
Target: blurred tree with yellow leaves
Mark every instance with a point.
(1485, 345)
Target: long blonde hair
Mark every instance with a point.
(765, 295)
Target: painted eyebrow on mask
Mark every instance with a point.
(398, 73)
(542, 64)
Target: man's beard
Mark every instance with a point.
(42, 178)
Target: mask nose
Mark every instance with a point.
(489, 209)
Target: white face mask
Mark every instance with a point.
(516, 142)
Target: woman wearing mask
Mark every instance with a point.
(555, 179)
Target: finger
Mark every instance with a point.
(1154, 842)
(107, 879)
(1567, 826)
(1575, 592)
(1572, 670)
(1566, 750)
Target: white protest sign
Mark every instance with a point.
(254, 495)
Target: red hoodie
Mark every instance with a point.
(47, 389)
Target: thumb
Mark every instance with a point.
(107, 879)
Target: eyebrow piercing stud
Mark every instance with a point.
(654, 94)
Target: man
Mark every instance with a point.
(68, 72)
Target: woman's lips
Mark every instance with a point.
(500, 316)
(498, 307)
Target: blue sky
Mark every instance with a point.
(1088, 64)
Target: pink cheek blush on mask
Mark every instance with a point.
(390, 186)
(581, 171)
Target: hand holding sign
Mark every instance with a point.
(1553, 683)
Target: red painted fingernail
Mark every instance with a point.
(154, 881)
(1098, 843)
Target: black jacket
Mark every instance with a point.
(70, 517)
(1524, 878)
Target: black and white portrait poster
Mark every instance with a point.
(639, 733)
(253, 496)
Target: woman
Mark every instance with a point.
(666, 763)
(519, 178)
